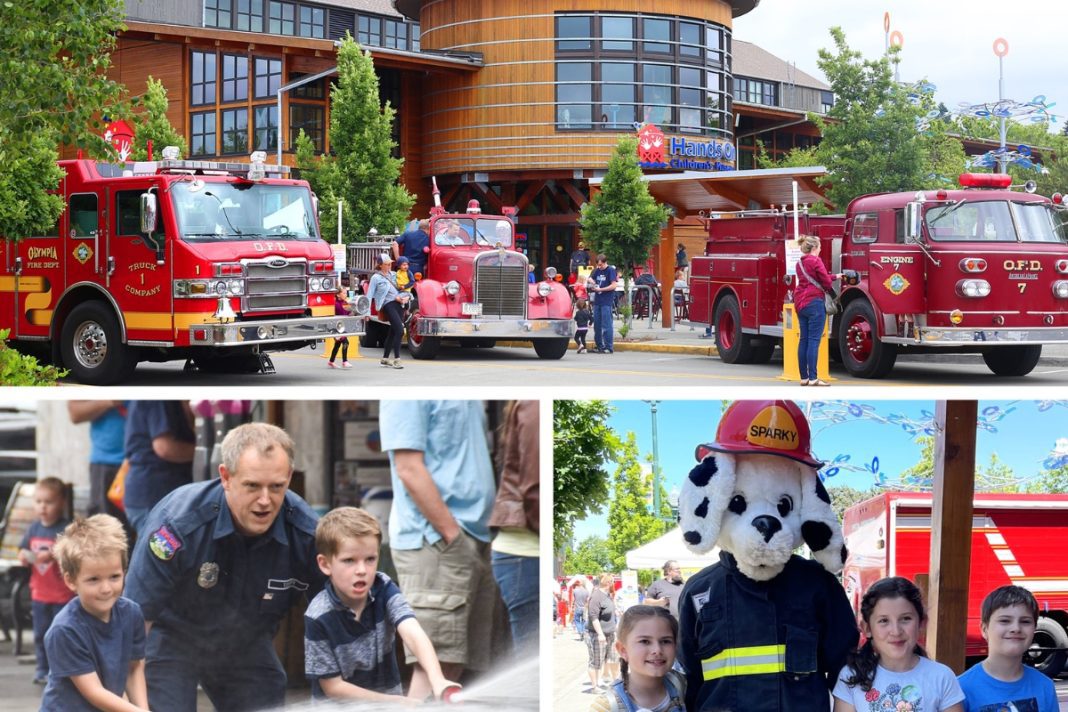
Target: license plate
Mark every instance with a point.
(471, 309)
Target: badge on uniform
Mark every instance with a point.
(209, 574)
(164, 544)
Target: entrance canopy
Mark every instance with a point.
(692, 192)
(653, 554)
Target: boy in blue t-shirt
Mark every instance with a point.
(349, 627)
(96, 645)
(1002, 682)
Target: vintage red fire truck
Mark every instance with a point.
(153, 261)
(475, 289)
(982, 269)
(1016, 539)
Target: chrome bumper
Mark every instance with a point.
(254, 333)
(521, 329)
(935, 337)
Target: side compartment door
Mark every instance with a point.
(700, 295)
(38, 276)
(896, 279)
(133, 277)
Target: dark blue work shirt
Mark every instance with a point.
(412, 243)
(151, 477)
(203, 582)
(78, 643)
(603, 278)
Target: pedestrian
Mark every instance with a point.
(891, 671)
(107, 430)
(219, 567)
(389, 303)
(601, 634)
(665, 592)
(531, 277)
(602, 283)
(160, 444)
(342, 307)
(681, 261)
(580, 258)
(414, 245)
(579, 595)
(646, 642)
(812, 282)
(583, 317)
(48, 592)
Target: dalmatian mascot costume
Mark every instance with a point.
(763, 630)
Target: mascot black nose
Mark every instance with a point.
(767, 526)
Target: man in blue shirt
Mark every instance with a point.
(160, 444)
(439, 534)
(413, 243)
(219, 565)
(107, 431)
(602, 285)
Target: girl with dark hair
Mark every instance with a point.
(646, 641)
(891, 671)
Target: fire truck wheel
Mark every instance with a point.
(733, 345)
(1049, 634)
(551, 348)
(1012, 360)
(92, 346)
(863, 354)
(421, 347)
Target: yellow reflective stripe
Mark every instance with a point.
(754, 660)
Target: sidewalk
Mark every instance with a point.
(570, 676)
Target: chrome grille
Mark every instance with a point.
(274, 301)
(501, 284)
(275, 284)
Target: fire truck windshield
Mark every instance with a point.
(243, 211)
(995, 221)
(468, 231)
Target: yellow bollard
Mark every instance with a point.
(791, 337)
(328, 346)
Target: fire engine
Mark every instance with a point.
(982, 269)
(1017, 539)
(153, 261)
(475, 289)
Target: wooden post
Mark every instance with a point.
(665, 262)
(951, 531)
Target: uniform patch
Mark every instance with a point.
(209, 574)
(164, 544)
(285, 584)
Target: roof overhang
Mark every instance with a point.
(694, 192)
(410, 8)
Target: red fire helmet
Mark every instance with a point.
(764, 427)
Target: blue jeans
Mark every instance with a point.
(43, 614)
(811, 319)
(602, 326)
(517, 577)
(580, 621)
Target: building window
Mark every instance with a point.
(309, 118)
(202, 82)
(250, 15)
(574, 95)
(369, 31)
(202, 134)
(265, 128)
(573, 33)
(396, 34)
(754, 91)
(312, 22)
(618, 95)
(311, 90)
(268, 77)
(617, 34)
(234, 131)
(656, 94)
(826, 101)
(415, 36)
(217, 13)
(656, 29)
(280, 16)
(234, 77)
(690, 39)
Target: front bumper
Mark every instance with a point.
(942, 337)
(275, 331)
(520, 329)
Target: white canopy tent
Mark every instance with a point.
(653, 554)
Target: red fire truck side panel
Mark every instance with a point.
(896, 279)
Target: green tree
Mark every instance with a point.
(589, 557)
(843, 497)
(995, 477)
(321, 174)
(582, 447)
(1054, 480)
(630, 523)
(623, 221)
(367, 173)
(153, 125)
(53, 90)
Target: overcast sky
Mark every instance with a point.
(948, 42)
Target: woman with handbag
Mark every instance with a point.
(813, 290)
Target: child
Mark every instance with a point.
(48, 593)
(1002, 682)
(341, 308)
(349, 626)
(646, 640)
(96, 645)
(891, 671)
(583, 317)
(404, 277)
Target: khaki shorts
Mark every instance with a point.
(456, 600)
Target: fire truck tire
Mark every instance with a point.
(863, 354)
(92, 346)
(421, 347)
(733, 345)
(373, 335)
(551, 348)
(1049, 634)
(1012, 360)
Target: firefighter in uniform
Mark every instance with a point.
(771, 643)
(218, 567)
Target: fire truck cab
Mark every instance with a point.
(154, 261)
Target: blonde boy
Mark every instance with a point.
(96, 645)
(349, 628)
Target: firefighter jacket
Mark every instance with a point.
(763, 646)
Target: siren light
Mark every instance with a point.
(473, 207)
(985, 180)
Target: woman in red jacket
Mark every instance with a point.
(812, 282)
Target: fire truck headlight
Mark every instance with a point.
(1060, 289)
(237, 286)
(973, 288)
(544, 289)
(452, 288)
(315, 284)
(361, 305)
(221, 287)
(328, 284)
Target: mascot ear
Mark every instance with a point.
(705, 494)
(820, 527)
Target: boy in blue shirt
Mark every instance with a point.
(1002, 681)
(350, 627)
(96, 645)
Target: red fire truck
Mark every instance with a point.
(983, 269)
(1017, 539)
(154, 261)
(475, 289)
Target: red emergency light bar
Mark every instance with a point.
(985, 180)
